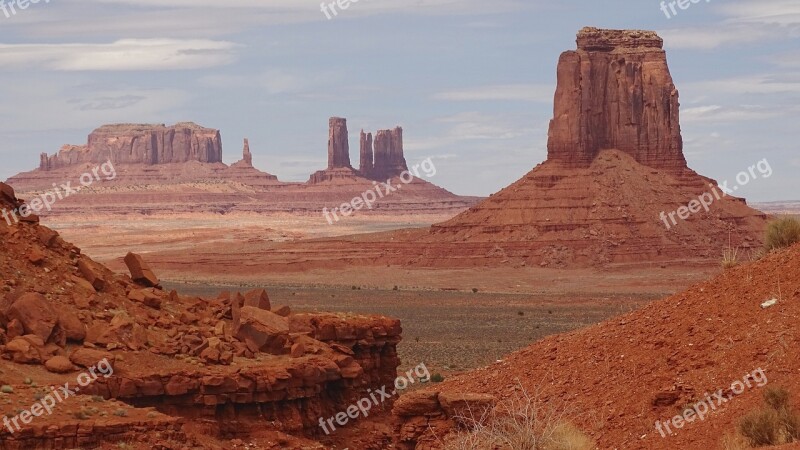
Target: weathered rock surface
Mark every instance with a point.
(389, 158)
(183, 358)
(616, 92)
(142, 144)
(366, 160)
(339, 167)
(338, 144)
(140, 270)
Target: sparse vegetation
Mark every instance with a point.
(730, 258)
(782, 233)
(6, 389)
(474, 290)
(520, 422)
(437, 378)
(775, 424)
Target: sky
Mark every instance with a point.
(470, 81)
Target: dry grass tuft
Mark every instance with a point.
(520, 423)
(775, 424)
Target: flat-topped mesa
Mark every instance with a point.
(389, 160)
(141, 144)
(616, 92)
(603, 40)
(366, 161)
(338, 145)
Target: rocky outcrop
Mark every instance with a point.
(338, 145)
(389, 158)
(141, 144)
(339, 167)
(386, 159)
(193, 359)
(247, 157)
(616, 92)
(366, 161)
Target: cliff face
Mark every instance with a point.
(386, 160)
(616, 92)
(389, 158)
(141, 144)
(338, 145)
(366, 161)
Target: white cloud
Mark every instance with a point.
(124, 54)
(717, 114)
(780, 12)
(542, 93)
(753, 84)
(191, 18)
(744, 22)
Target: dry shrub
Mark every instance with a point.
(734, 441)
(782, 233)
(730, 258)
(775, 424)
(520, 423)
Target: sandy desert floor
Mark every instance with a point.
(454, 319)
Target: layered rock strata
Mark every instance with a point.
(235, 364)
(141, 144)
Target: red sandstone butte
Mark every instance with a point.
(141, 144)
(615, 163)
(616, 92)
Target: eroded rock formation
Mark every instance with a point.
(338, 144)
(366, 161)
(141, 144)
(247, 157)
(616, 92)
(339, 167)
(198, 360)
(389, 158)
(615, 163)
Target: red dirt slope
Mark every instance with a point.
(622, 376)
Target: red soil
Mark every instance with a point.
(675, 350)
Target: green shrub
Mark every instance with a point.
(782, 233)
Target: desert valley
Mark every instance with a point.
(152, 296)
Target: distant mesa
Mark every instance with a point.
(179, 168)
(141, 144)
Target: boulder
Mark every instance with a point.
(282, 310)
(89, 357)
(26, 350)
(35, 314)
(74, 329)
(269, 332)
(59, 364)
(257, 298)
(92, 274)
(140, 271)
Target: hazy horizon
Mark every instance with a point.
(471, 82)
